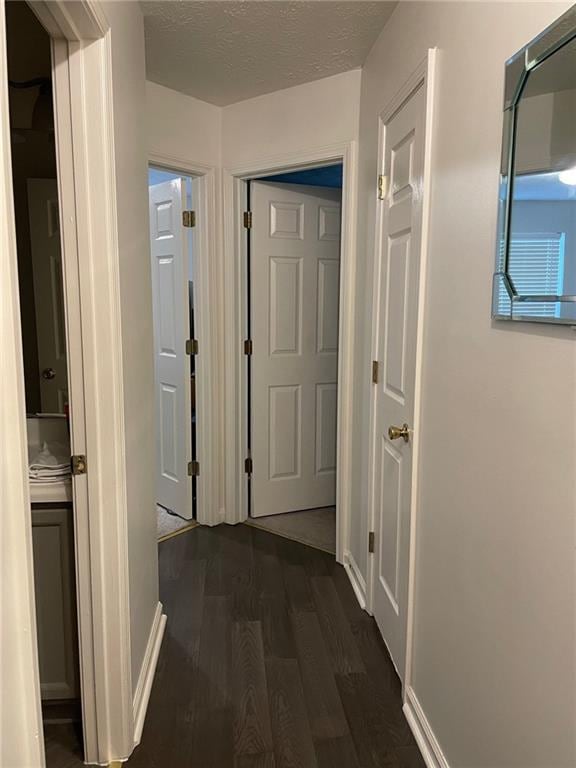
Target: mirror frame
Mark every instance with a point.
(518, 68)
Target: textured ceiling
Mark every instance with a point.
(223, 51)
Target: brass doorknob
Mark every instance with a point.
(48, 373)
(395, 432)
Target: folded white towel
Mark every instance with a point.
(49, 472)
(48, 480)
(51, 461)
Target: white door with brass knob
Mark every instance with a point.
(396, 301)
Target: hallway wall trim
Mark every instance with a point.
(144, 685)
(423, 733)
(356, 579)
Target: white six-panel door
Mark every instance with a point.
(169, 249)
(295, 268)
(48, 293)
(396, 318)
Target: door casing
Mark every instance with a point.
(83, 109)
(235, 292)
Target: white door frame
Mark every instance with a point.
(235, 325)
(19, 672)
(83, 101)
(424, 76)
(207, 271)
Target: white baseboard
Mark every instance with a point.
(423, 733)
(144, 686)
(356, 579)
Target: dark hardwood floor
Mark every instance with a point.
(268, 662)
(63, 745)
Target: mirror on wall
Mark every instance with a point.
(535, 278)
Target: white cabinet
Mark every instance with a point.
(53, 541)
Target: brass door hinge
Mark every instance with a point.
(382, 187)
(192, 346)
(188, 218)
(248, 219)
(78, 464)
(371, 542)
(248, 346)
(248, 465)
(374, 371)
(193, 468)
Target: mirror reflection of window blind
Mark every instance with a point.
(536, 266)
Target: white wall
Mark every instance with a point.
(136, 313)
(306, 116)
(544, 135)
(182, 127)
(494, 657)
(494, 608)
(321, 113)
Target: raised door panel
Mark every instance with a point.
(398, 267)
(52, 540)
(163, 219)
(401, 166)
(329, 222)
(327, 305)
(390, 508)
(287, 220)
(166, 277)
(285, 306)
(285, 420)
(169, 438)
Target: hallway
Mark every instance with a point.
(268, 662)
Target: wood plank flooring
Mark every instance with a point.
(63, 745)
(268, 662)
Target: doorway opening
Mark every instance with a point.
(292, 301)
(43, 318)
(172, 198)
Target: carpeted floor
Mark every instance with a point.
(170, 525)
(315, 527)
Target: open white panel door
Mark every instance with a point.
(295, 271)
(48, 293)
(170, 254)
(396, 319)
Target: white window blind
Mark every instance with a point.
(536, 266)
